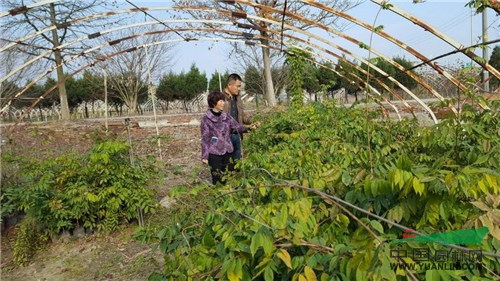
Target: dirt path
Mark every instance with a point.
(98, 257)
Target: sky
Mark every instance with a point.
(450, 17)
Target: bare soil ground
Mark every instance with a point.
(102, 256)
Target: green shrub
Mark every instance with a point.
(10, 185)
(276, 219)
(98, 190)
(29, 239)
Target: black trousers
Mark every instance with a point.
(219, 164)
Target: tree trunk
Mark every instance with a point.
(63, 97)
(86, 110)
(131, 103)
(268, 78)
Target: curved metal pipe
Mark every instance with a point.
(23, 9)
(179, 21)
(86, 37)
(339, 13)
(162, 42)
(205, 30)
(149, 23)
(396, 82)
(355, 41)
(441, 36)
(262, 19)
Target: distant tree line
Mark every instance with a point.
(87, 89)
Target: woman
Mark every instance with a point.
(216, 127)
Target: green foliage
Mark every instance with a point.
(213, 84)
(346, 78)
(29, 239)
(364, 46)
(379, 28)
(385, 66)
(326, 77)
(196, 83)
(11, 190)
(478, 5)
(386, 5)
(183, 86)
(169, 86)
(298, 63)
(274, 221)
(403, 77)
(253, 81)
(86, 89)
(392, 71)
(99, 190)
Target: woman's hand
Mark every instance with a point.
(254, 125)
(205, 161)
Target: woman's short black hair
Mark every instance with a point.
(214, 97)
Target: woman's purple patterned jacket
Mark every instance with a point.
(215, 133)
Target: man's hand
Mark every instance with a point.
(205, 161)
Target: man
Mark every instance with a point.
(234, 106)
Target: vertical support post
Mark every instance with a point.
(105, 100)
(485, 80)
(218, 65)
(140, 213)
(152, 92)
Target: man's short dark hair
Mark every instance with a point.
(232, 78)
(214, 97)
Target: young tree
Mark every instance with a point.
(383, 65)
(8, 88)
(183, 86)
(195, 83)
(11, 59)
(311, 82)
(51, 99)
(351, 85)
(128, 72)
(92, 85)
(168, 87)
(57, 13)
(249, 58)
(326, 78)
(252, 81)
(213, 84)
(297, 7)
(401, 76)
